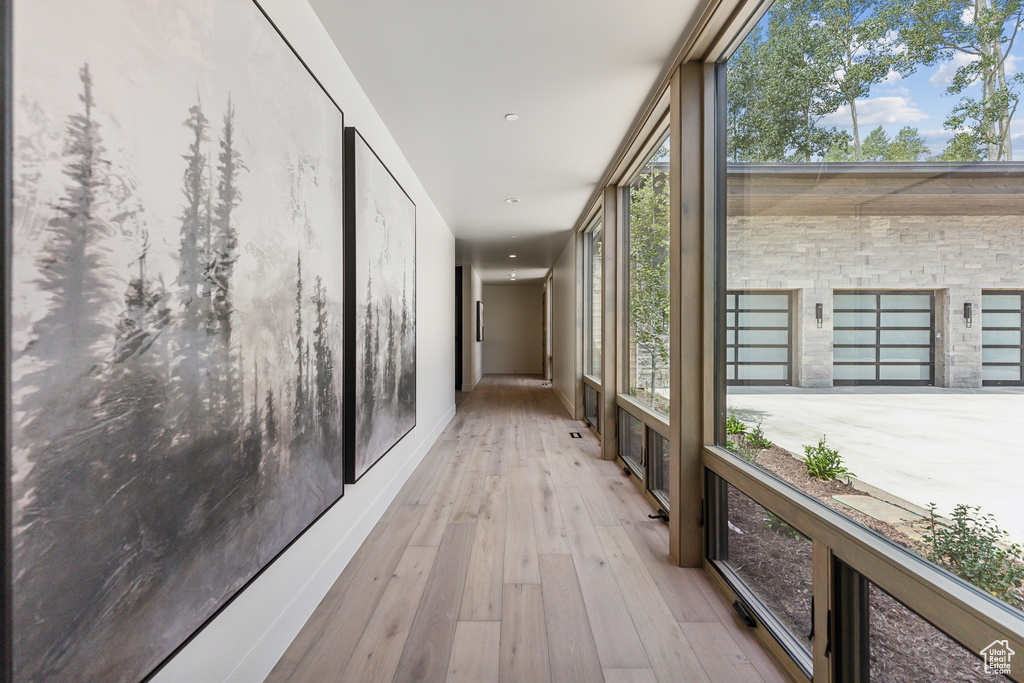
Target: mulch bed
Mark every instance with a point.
(776, 563)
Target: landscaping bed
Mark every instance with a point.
(775, 561)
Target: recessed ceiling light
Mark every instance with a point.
(513, 236)
(511, 117)
(512, 200)
(511, 255)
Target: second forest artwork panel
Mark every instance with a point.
(176, 322)
(380, 246)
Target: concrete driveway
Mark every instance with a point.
(922, 444)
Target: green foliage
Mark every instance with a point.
(741, 447)
(935, 31)
(757, 439)
(776, 95)
(824, 463)
(908, 145)
(733, 425)
(649, 267)
(962, 147)
(973, 547)
(781, 526)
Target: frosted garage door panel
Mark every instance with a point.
(1001, 331)
(758, 337)
(894, 342)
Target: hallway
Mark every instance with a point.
(513, 553)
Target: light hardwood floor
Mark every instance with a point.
(514, 553)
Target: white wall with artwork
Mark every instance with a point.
(515, 329)
(177, 334)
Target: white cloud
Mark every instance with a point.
(892, 77)
(876, 111)
(943, 76)
(1011, 64)
(967, 16)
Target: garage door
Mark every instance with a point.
(883, 338)
(1002, 319)
(758, 336)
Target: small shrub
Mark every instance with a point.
(733, 425)
(824, 463)
(757, 438)
(973, 547)
(781, 526)
(741, 447)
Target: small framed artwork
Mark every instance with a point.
(479, 321)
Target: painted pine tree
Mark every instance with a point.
(191, 333)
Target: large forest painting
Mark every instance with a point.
(176, 322)
(381, 248)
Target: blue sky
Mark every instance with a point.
(920, 100)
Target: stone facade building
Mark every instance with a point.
(860, 273)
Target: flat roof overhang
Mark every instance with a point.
(876, 189)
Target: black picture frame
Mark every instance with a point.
(479, 321)
(7, 99)
(356, 405)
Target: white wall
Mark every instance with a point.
(513, 329)
(245, 640)
(563, 327)
(472, 350)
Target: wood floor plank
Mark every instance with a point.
(671, 655)
(475, 652)
(571, 648)
(524, 648)
(618, 644)
(428, 647)
(719, 653)
(762, 660)
(505, 495)
(547, 518)
(324, 645)
(481, 598)
(439, 509)
(630, 676)
(520, 534)
(687, 602)
(379, 650)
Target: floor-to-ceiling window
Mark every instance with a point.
(873, 237)
(646, 218)
(592, 287)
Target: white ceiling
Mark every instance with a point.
(442, 75)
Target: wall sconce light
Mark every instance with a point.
(819, 313)
(967, 314)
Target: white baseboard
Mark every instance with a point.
(565, 402)
(247, 639)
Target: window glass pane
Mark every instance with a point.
(657, 456)
(887, 196)
(774, 561)
(763, 336)
(906, 319)
(905, 301)
(593, 279)
(1001, 319)
(1005, 302)
(1001, 373)
(858, 354)
(1001, 337)
(855, 336)
(647, 305)
(905, 647)
(631, 442)
(855, 319)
